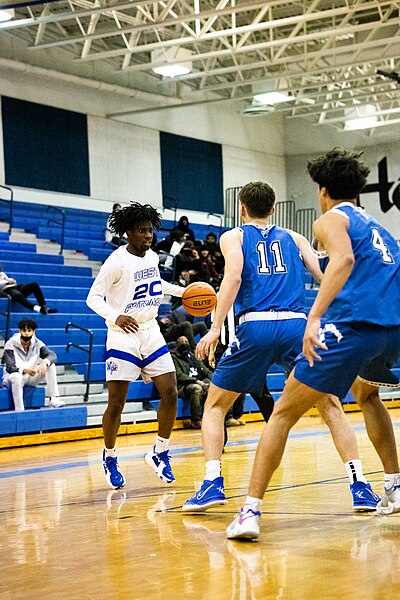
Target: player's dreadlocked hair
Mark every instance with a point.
(340, 172)
(129, 217)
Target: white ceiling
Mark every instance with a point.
(325, 53)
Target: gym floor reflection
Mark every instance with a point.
(65, 535)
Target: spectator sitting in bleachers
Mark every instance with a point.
(187, 259)
(28, 361)
(183, 225)
(172, 328)
(178, 239)
(212, 243)
(19, 292)
(193, 379)
(112, 237)
(207, 265)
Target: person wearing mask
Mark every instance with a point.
(183, 225)
(28, 361)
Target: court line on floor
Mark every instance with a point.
(174, 451)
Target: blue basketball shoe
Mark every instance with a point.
(160, 462)
(114, 477)
(364, 498)
(210, 494)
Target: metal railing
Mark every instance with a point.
(7, 315)
(87, 350)
(231, 207)
(217, 216)
(284, 214)
(305, 218)
(62, 223)
(11, 201)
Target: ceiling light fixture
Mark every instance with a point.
(6, 14)
(361, 117)
(177, 61)
(273, 98)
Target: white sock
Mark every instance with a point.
(161, 444)
(253, 503)
(354, 471)
(36, 308)
(213, 469)
(391, 480)
(111, 453)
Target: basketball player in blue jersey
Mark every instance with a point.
(127, 293)
(365, 390)
(265, 278)
(354, 320)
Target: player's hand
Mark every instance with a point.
(31, 372)
(311, 341)
(204, 344)
(127, 324)
(41, 369)
(211, 354)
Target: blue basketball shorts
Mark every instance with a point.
(350, 347)
(257, 345)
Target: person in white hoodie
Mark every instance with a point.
(28, 361)
(127, 293)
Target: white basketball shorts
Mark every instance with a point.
(143, 353)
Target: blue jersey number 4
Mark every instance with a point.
(381, 247)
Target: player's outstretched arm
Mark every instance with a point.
(231, 247)
(172, 289)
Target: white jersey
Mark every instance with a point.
(129, 285)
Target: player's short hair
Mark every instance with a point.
(27, 324)
(129, 217)
(258, 197)
(341, 172)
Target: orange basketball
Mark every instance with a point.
(199, 299)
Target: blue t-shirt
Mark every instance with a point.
(372, 292)
(273, 276)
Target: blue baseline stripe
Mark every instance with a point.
(112, 353)
(139, 456)
(160, 352)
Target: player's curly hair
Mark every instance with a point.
(340, 172)
(129, 217)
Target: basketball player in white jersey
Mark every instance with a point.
(127, 293)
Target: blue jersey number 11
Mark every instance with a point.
(263, 267)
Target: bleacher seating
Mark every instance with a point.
(65, 287)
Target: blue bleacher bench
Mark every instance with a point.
(33, 397)
(43, 419)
